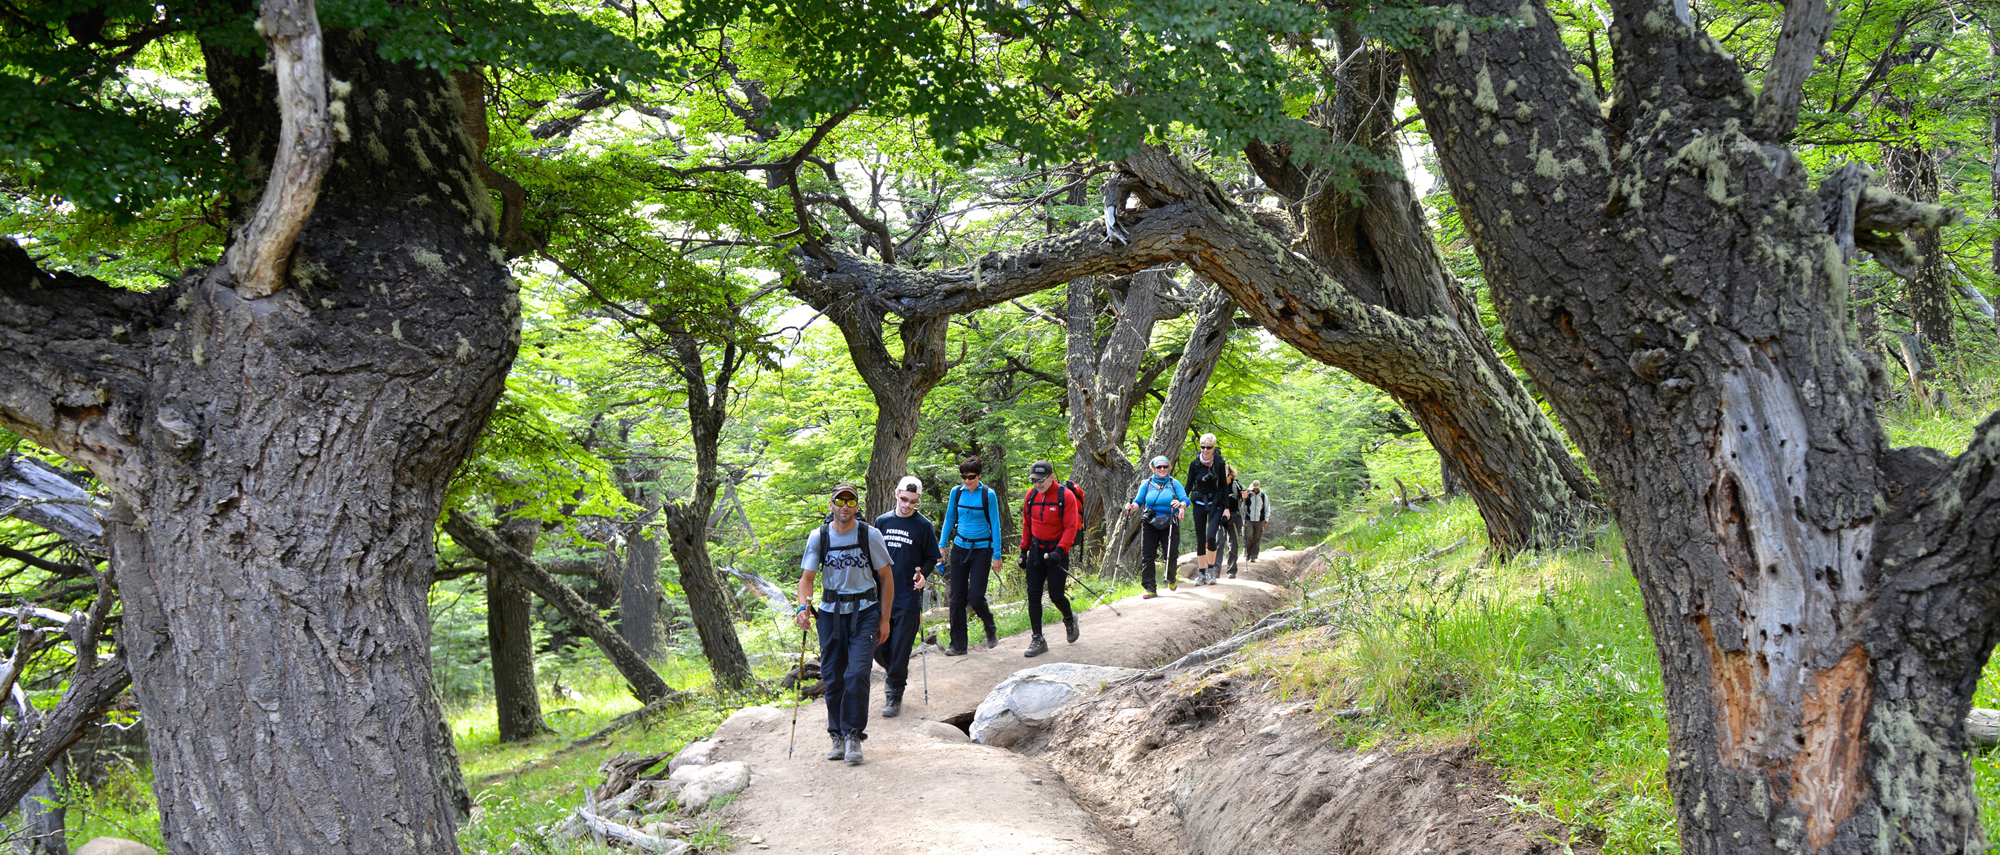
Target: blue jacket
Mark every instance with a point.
(1159, 495)
(973, 532)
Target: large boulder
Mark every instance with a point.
(697, 753)
(696, 786)
(1022, 703)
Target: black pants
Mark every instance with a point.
(1206, 519)
(1151, 541)
(1253, 537)
(971, 569)
(1235, 541)
(1052, 570)
(846, 647)
(894, 657)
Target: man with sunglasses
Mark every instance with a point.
(913, 549)
(854, 560)
(972, 533)
(1050, 517)
(1164, 500)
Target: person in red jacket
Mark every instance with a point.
(1050, 516)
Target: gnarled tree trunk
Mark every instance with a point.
(1822, 603)
(278, 441)
(1107, 377)
(510, 637)
(687, 520)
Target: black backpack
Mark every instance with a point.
(1061, 496)
(861, 541)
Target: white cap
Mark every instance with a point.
(910, 483)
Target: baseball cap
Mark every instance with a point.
(845, 487)
(1041, 471)
(910, 483)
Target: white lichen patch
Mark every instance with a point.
(428, 260)
(1500, 138)
(1482, 96)
(416, 146)
(396, 329)
(381, 100)
(1523, 111)
(464, 348)
(1525, 13)
(1519, 188)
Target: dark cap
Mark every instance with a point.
(844, 487)
(1041, 471)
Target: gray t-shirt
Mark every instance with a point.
(847, 571)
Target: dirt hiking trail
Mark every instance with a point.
(1107, 775)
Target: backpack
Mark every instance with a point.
(1062, 495)
(953, 505)
(861, 541)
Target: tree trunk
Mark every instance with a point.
(687, 520)
(510, 638)
(645, 683)
(899, 386)
(641, 618)
(1912, 171)
(1106, 382)
(1822, 604)
(278, 462)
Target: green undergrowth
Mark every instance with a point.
(1544, 663)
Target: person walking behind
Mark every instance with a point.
(1256, 512)
(1050, 516)
(1207, 482)
(1233, 520)
(1163, 498)
(854, 560)
(972, 534)
(913, 549)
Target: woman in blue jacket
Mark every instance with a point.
(1164, 500)
(971, 536)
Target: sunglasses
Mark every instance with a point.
(846, 503)
(907, 499)
(1206, 447)
(1161, 466)
(969, 476)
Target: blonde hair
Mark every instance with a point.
(1208, 438)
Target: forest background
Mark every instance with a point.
(760, 250)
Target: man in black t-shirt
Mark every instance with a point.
(913, 551)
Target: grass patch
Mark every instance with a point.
(1545, 663)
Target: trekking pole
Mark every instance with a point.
(801, 684)
(1099, 597)
(923, 656)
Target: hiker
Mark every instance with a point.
(1163, 499)
(1256, 512)
(972, 534)
(1050, 517)
(913, 550)
(1232, 498)
(851, 621)
(1207, 483)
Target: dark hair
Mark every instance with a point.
(972, 465)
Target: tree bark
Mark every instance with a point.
(687, 520)
(641, 616)
(645, 683)
(277, 464)
(510, 638)
(1106, 382)
(1676, 286)
(1911, 169)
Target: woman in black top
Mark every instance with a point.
(1207, 485)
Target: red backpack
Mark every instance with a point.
(1062, 496)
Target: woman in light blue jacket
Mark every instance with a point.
(1164, 500)
(970, 544)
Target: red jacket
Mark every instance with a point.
(1041, 521)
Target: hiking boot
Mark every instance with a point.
(1036, 646)
(1173, 586)
(892, 707)
(992, 638)
(1149, 595)
(854, 751)
(954, 651)
(839, 749)
(1232, 573)
(1069, 627)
